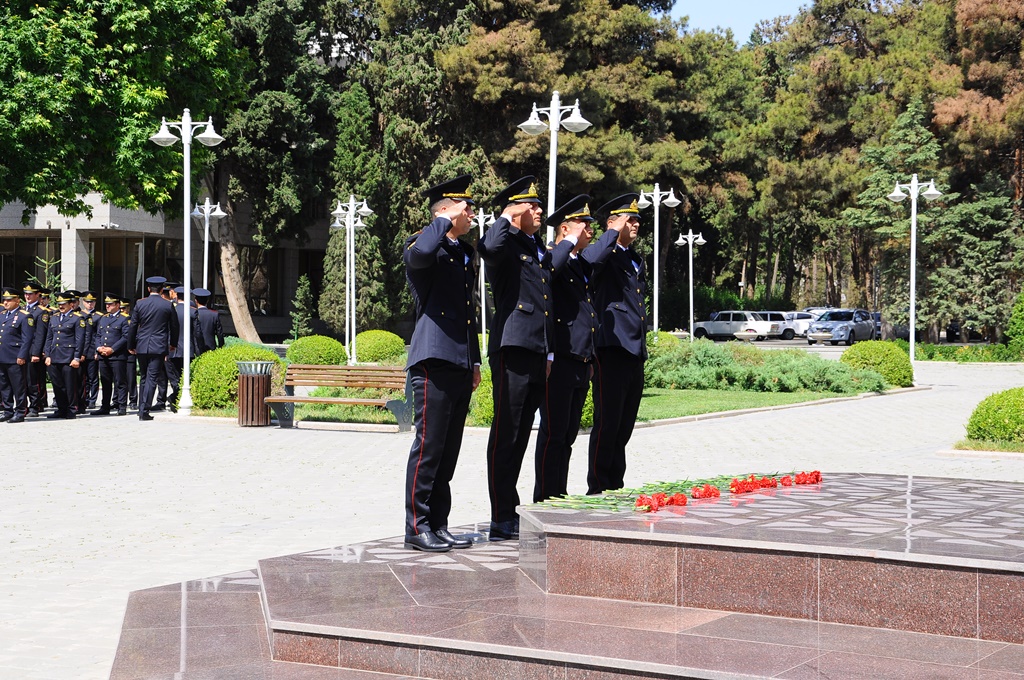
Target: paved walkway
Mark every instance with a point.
(96, 508)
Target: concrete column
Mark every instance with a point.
(74, 258)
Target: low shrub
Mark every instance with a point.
(317, 349)
(999, 417)
(214, 382)
(379, 346)
(660, 341)
(882, 357)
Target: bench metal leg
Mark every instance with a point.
(402, 411)
(285, 414)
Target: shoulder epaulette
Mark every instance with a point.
(125, 315)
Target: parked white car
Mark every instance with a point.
(799, 322)
(726, 324)
(842, 325)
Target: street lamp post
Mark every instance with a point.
(208, 137)
(657, 197)
(353, 214)
(483, 220)
(206, 211)
(689, 238)
(535, 126)
(896, 196)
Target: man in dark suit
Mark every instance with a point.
(521, 348)
(35, 374)
(620, 284)
(65, 345)
(572, 368)
(90, 369)
(152, 330)
(444, 361)
(131, 364)
(166, 374)
(17, 328)
(111, 347)
(211, 333)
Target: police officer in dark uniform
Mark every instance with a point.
(211, 333)
(520, 270)
(90, 369)
(17, 328)
(35, 375)
(111, 356)
(620, 284)
(164, 376)
(444, 361)
(575, 327)
(131, 365)
(65, 346)
(152, 330)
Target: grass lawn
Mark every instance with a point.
(658, 404)
(979, 445)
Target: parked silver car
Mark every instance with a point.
(842, 325)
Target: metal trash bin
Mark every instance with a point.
(253, 388)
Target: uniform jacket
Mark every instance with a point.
(211, 334)
(16, 333)
(112, 331)
(65, 337)
(620, 283)
(91, 318)
(520, 270)
(576, 320)
(41, 315)
(178, 353)
(153, 326)
(442, 278)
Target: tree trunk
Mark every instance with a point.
(234, 289)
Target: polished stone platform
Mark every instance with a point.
(743, 587)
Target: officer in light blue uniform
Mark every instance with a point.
(65, 346)
(17, 328)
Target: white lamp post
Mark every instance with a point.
(206, 211)
(208, 137)
(689, 238)
(483, 220)
(353, 214)
(647, 198)
(896, 196)
(535, 126)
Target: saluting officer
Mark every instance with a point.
(620, 284)
(111, 347)
(152, 332)
(131, 365)
(444, 361)
(90, 369)
(17, 328)
(520, 269)
(36, 373)
(211, 333)
(575, 327)
(65, 345)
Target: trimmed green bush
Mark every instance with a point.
(999, 417)
(378, 346)
(883, 357)
(660, 342)
(214, 381)
(317, 349)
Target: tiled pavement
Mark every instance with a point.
(100, 507)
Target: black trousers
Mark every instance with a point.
(161, 384)
(151, 366)
(172, 369)
(36, 385)
(132, 375)
(618, 387)
(114, 382)
(441, 392)
(560, 414)
(519, 376)
(90, 382)
(64, 379)
(12, 389)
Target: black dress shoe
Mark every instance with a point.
(17, 419)
(453, 541)
(426, 542)
(156, 409)
(70, 416)
(122, 412)
(5, 416)
(145, 416)
(101, 412)
(505, 531)
(33, 414)
(55, 414)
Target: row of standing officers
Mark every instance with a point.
(81, 350)
(567, 315)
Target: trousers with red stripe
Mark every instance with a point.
(441, 392)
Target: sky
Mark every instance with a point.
(739, 15)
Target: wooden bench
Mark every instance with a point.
(366, 377)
